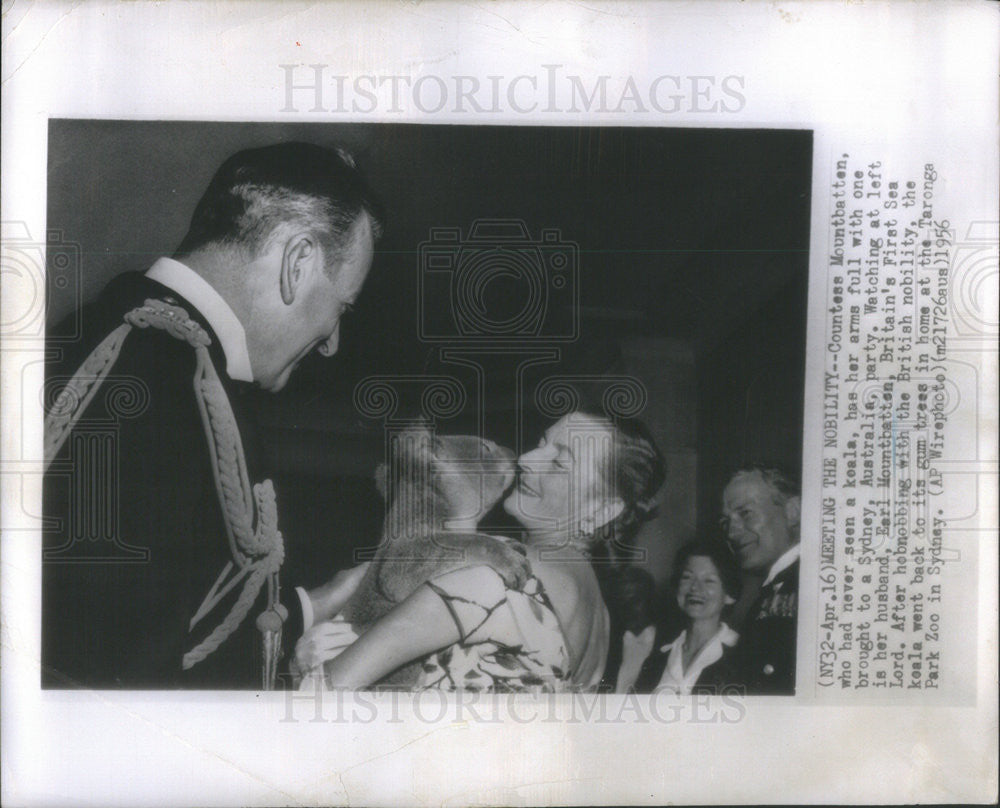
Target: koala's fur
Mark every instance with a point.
(432, 480)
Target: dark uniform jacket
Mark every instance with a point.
(134, 535)
(767, 641)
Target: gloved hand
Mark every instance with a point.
(322, 642)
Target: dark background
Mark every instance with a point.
(692, 277)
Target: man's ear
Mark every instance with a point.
(300, 257)
(793, 511)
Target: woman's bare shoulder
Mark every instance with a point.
(571, 586)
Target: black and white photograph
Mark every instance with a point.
(329, 382)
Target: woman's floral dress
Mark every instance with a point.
(534, 657)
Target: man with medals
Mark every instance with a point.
(761, 518)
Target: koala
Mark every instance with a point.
(437, 489)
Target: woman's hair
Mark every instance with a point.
(720, 555)
(634, 472)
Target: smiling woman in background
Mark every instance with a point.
(706, 582)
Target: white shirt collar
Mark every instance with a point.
(724, 635)
(785, 560)
(224, 322)
(674, 676)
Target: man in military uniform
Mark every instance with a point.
(761, 517)
(163, 548)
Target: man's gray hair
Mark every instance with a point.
(257, 190)
(783, 485)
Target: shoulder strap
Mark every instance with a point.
(79, 391)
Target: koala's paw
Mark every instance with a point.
(507, 558)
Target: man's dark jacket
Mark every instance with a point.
(767, 641)
(134, 535)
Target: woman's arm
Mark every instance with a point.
(420, 625)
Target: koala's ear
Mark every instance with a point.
(420, 436)
(382, 479)
(417, 445)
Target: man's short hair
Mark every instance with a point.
(256, 190)
(783, 485)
